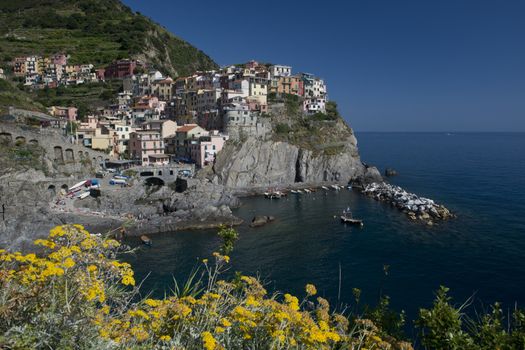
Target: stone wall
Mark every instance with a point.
(57, 147)
(260, 130)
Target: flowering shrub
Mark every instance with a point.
(76, 294)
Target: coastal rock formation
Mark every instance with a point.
(261, 220)
(30, 199)
(261, 164)
(417, 208)
(390, 172)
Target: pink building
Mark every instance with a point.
(68, 113)
(205, 149)
(144, 143)
(252, 64)
(60, 59)
(101, 73)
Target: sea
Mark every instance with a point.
(480, 255)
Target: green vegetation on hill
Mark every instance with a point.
(86, 97)
(321, 132)
(90, 31)
(10, 95)
(93, 31)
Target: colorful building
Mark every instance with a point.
(144, 143)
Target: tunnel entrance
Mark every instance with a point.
(154, 181)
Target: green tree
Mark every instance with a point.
(71, 128)
(228, 235)
(440, 328)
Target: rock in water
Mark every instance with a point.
(261, 220)
(390, 172)
(408, 202)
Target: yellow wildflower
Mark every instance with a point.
(165, 338)
(68, 263)
(208, 341)
(128, 280)
(292, 301)
(311, 290)
(57, 231)
(45, 243)
(250, 301)
(225, 322)
(152, 302)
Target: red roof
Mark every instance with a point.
(187, 127)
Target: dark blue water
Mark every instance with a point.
(481, 177)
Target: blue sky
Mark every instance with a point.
(392, 65)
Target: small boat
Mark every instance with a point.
(77, 185)
(117, 182)
(307, 190)
(83, 195)
(273, 195)
(347, 218)
(325, 188)
(145, 240)
(299, 191)
(293, 191)
(335, 187)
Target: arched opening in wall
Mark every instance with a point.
(52, 190)
(59, 155)
(80, 155)
(171, 172)
(33, 142)
(64, 188)
(160, 173)
(70, 156)
(5, 138)
(154, 181)
(146, 173)
(20, 140)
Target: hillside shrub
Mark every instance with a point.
(76, 294)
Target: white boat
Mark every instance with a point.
(335, 187)
(299, 191)
(325, 188)
(307, 190)
(77, 185)
(83, 195)
(293, 191)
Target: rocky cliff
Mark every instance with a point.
(300, 152)
(259, 163)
